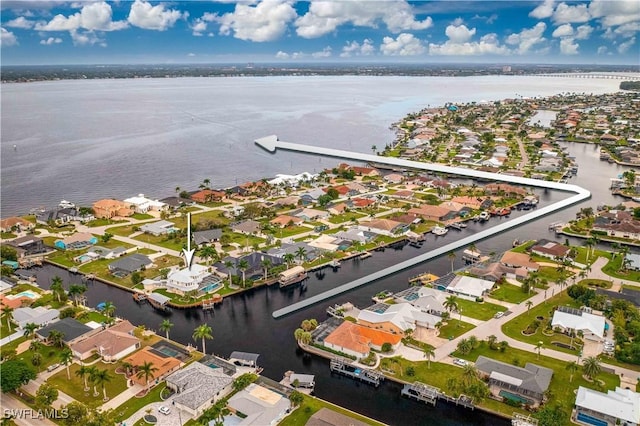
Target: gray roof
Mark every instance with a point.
(70, 328)
(534, 378)
(248, 225)
(131, 263)
(198, 383)
(302, 378)
(38, 316)
(245, 356)
(201, 237)
(160, 298)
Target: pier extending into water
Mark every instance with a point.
(271, 143)
(347, 368)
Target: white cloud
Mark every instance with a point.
(563, 31)
(92, 16)
(459, 33)
(324, 53)
(50, 41)
(584, 32)
(624, 47)
(267, 21)
(198, 27)
(282, 55)
(568, 46)
(148, 17)
(404, 45)
(613, 13)
(487, 19)
(324, 17)
(571, 14)
(86, 38)
(627, 30)
(7, 38)
(354, 48)
(527, 38)
(191, 55)
(488, 45)
(545, 10)
(602, 50)
(20, 22)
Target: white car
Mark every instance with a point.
(460, 362)
(164, 410)
(499, 315)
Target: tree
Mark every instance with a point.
(8, 253)
(36, 359)
(491, 341)
(552, 415)
(208, 253)
(266, 264)
(15, 373)
(529, 304)
(572, 367)
(288, 258)
(166, 326)
(146, 371)
(243, 265)
(243, 381)
(469, 374)
(374, 149)
(83, 373)
(136, 277)
(75, 291)
(110, 308)
(30, 330)
(66, 358)
(45, 395)
(452, 258)
(591, 367)
(464, 346)
(7, 311)
(451, 303)
(296, 398)
(429, 353)
(101, 378)
(386, 347)
(228, 264)
(202, 331)
(56, 287)
(539, 348)
(301, 253)
(77, 414)
(106, 237)
(503, 345)
(56, 338)
(629, 177)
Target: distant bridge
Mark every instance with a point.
(627, 77)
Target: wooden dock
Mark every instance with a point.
(430, 395)
(346, 368)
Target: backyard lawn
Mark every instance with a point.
(481, 311)
(510, 293)
(310, 405)
(346, 217)
(455, 328)
(288, 231)
(613, 269)
(75, 387)
(130, 407)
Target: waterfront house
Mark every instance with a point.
(165, 365)
(357, 340)
(161, 227)
(519, 260)
(247, 227)
(111, 344)
(198, 387)
(257, 405)
(39, 316)
(197, 278)
(311, 253)
(426, 299)
(387, 227)
(365, 171)
(142, 204)
(177, 202)
(254, 262)
(127, 265)
(632, 261)
(393, 178)
(550, 249)
(616, 407)
(108, 209)
(494, 271)
(12, 224)
(526, 385)
(396, 318)
(28, 245)
(71, 329)
(76, 241)
(429, 212)
(354, 234)
(504, 188)
(475, 203)
(570, 320)
(207, 237)
(470, 287)
(60, 216)
(207, 195)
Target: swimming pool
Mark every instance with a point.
(84, 258)
(210, 287)
(585, 418)
(515, 397)
(27, 293)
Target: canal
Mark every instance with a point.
(245, 323)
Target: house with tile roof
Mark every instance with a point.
(108, 209)
(387, 227)
(111, 344)
(518, 260)
(15, 223)
(198, 387)
(284, 220)
(165, 365)
(550, 249)
(396, 318)
(357, 340)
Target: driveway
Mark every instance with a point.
(174, 418)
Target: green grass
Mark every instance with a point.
(63, 258)
(613, 269)
(509, 293)
(103, 222)
(244, 240)
(7, 235)
(346, 217)
(551, 274)
(123, 231)
(289, 231)
(455, 328)
(481, 311)
(311, 405)
(522, 248)
(75, 387)
(129, 408)
(50, 355)
(4, 330)
(141, 216)
(162, 241)
(596, 283)
(562, 387)
(517, 325)
(101, 270)
(93, 316)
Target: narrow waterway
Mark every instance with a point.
(245, 323)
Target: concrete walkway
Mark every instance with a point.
(128, 394)
(11, 337)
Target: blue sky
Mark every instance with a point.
(206, 31)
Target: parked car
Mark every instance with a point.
(52, 367)
(164, 410)
(460, 362)
(499, 314)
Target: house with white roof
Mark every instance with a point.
(159, 228)
(616, 407)
(569, 319)
(142, 204)
(470, 287)
(426, 299)
(258, 405)
(39, 316)
(184, 280)
(396, 318)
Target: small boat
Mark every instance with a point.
(484, 216)
(64, 204)
(456, 226)
(515, 243)
(439, 230)
(292, 276)
(73, 270)
(416, 244)
(365, 255)
(139, 297)
(462, 224)
(335, 264)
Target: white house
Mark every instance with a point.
(158, 228)
(39, 316)
(619, 407)
(396, 318)
(184, 280)
(470, 287)
(142, 204)
(567, 319)
(260, 405)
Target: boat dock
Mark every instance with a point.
(430, 395)
(423, 279)
(346, 368)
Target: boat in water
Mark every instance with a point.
(439, 230)
(292, 276)
(64, 204)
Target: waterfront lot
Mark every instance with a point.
(310, 405)
(75, 387)
(482, 311)
(510, 293)
(455, 328)
(100, 268)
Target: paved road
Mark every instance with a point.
(10, 404)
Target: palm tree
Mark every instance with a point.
(572, 367)
(208, 253)
(93, 373)
(166, 326)
(491, 341)
(56, 338)
(470, 374)
(301, 254)
(591, 367)
(30, 330)
(7, 311)
(35, 346)
(529, 304)
(146, 370)
(374, 149)
(429, 353)
(452, 258)
(207, 183)
(539, 348)
(288, 258)
(229, 264)
(83, 372)
(66, 358)
(56, 287)
(76, 290)
(451, 303)
(102, 377)
(242, 266)
(109, 308)
(202, 332)
(266, 264)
